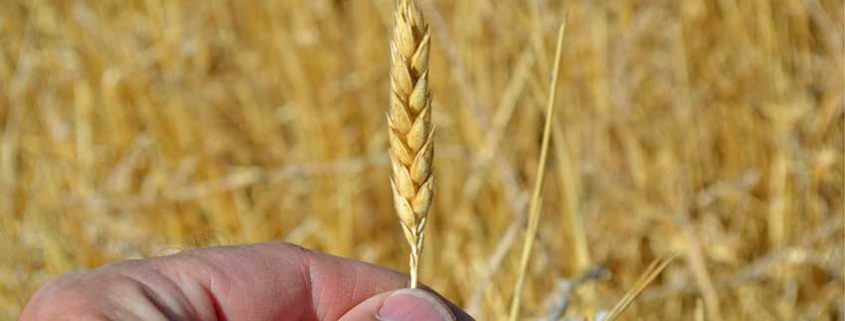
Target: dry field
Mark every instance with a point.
(709, 128)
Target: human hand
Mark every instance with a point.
(271, 281)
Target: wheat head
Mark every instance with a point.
(409, 122)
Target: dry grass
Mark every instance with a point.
(410, 130)
(650, 274)
(539, 180)
(711, 128)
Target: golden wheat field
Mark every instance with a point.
(708, 128)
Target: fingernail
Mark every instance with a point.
(413, 305)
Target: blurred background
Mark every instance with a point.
(710, 128)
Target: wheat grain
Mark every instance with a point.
(411, 133)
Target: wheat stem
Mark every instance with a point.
(534, 211)
(645, 279)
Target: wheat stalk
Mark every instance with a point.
(645, 279)
(536, 194)
(411, 133)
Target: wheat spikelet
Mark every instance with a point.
(411, 133)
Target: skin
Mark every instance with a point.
(271, 281)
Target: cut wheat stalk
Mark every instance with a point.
(410, 130)
(645, 279)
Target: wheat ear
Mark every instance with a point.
(411, 133)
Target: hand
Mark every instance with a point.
(272, 281)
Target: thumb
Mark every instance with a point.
(404, 305)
